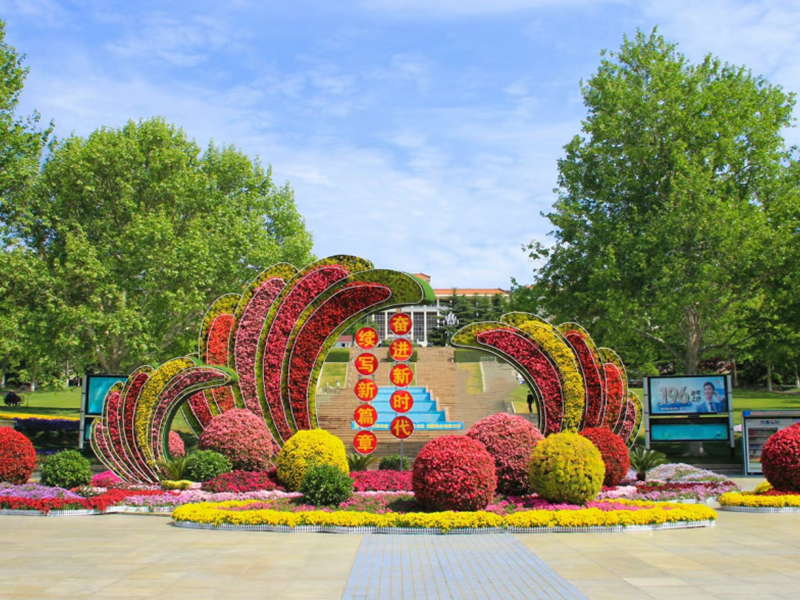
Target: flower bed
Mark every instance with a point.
(37, 499)
(254, 515)
(764, 499)
(657, 491)
(381, 481)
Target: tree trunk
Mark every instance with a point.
(735, 375)
(694, 342)
(769, 375)
(796, 378)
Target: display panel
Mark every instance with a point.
(97, 387)
(688, 432)
(691, 395)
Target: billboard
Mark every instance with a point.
(689, 432)
(689, 395)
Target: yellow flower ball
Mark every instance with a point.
(305, 449)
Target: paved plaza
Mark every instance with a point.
(745, 557)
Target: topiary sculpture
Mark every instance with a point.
(566, 467)
(615, 455)
(510, 439)
(242, 437)
(17, 456)
(305, 449)
(454, 472)
(780, 459)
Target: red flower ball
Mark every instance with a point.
(614, 451)
(176, 445)
(510, 440)
(242, 437)
(454, 472)
(780, 459)
(17, 457)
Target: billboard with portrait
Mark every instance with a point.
(689, 395)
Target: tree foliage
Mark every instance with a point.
(136, 231)
(672, 212)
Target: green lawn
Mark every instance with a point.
(474, 377)
(333, 373)
(61, 403)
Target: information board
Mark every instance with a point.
(757, 427)
(690, 395)
(688, 432)
(93, 397)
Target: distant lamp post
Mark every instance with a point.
(450, 320)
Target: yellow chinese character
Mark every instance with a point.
(365, 417)
(367, 362)
(364, 389)
(402, 349)
(400, 428)
(402, 324)
(365, 443)
(401, 376)
(366, 337)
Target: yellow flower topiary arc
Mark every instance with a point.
(566, 467)
(305, 449)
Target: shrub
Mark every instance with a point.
(510, 439)
(174, 469)
(305, 449)
(614, 452)
(391, 462)
(66, 469)
(454, 472)
(203, 465)
(242, 437)
(176, 484)
(780, 459)
(381, 481)
(326, 485)
(176, 447)
(359, 462)
(644, 460)
(105, 479)
(566, 467)
(238, 482)
(17, 456)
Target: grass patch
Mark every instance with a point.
(474, 377)
(333, 373)
(61, 403)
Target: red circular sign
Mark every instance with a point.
(401, 375)
(366, 338)
(365, 416)
(365, 442)
(400, 350)
(401, 401)
(366, 363)
(402, 427)
(400, 324)
(366, 390)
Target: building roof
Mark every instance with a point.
(422, 276)
(444, 292)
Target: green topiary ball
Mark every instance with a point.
(67, 469)
(566, 467)
(326, 485)
(203, 465)
(305, 449)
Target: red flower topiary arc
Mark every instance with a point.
(510, 439)
(780, 459)
(454, 472)
(614, 452)
(17, 457)
(242, 437)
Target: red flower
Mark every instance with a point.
(595, 393)
(538, 366)
(17, 456)
(615, 397)
(302, 294)
(614, 452)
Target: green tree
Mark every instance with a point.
(21, 146)
(666, 221)
(138, 231)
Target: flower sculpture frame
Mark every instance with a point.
(261, 350)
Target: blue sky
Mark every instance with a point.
(421, 134)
